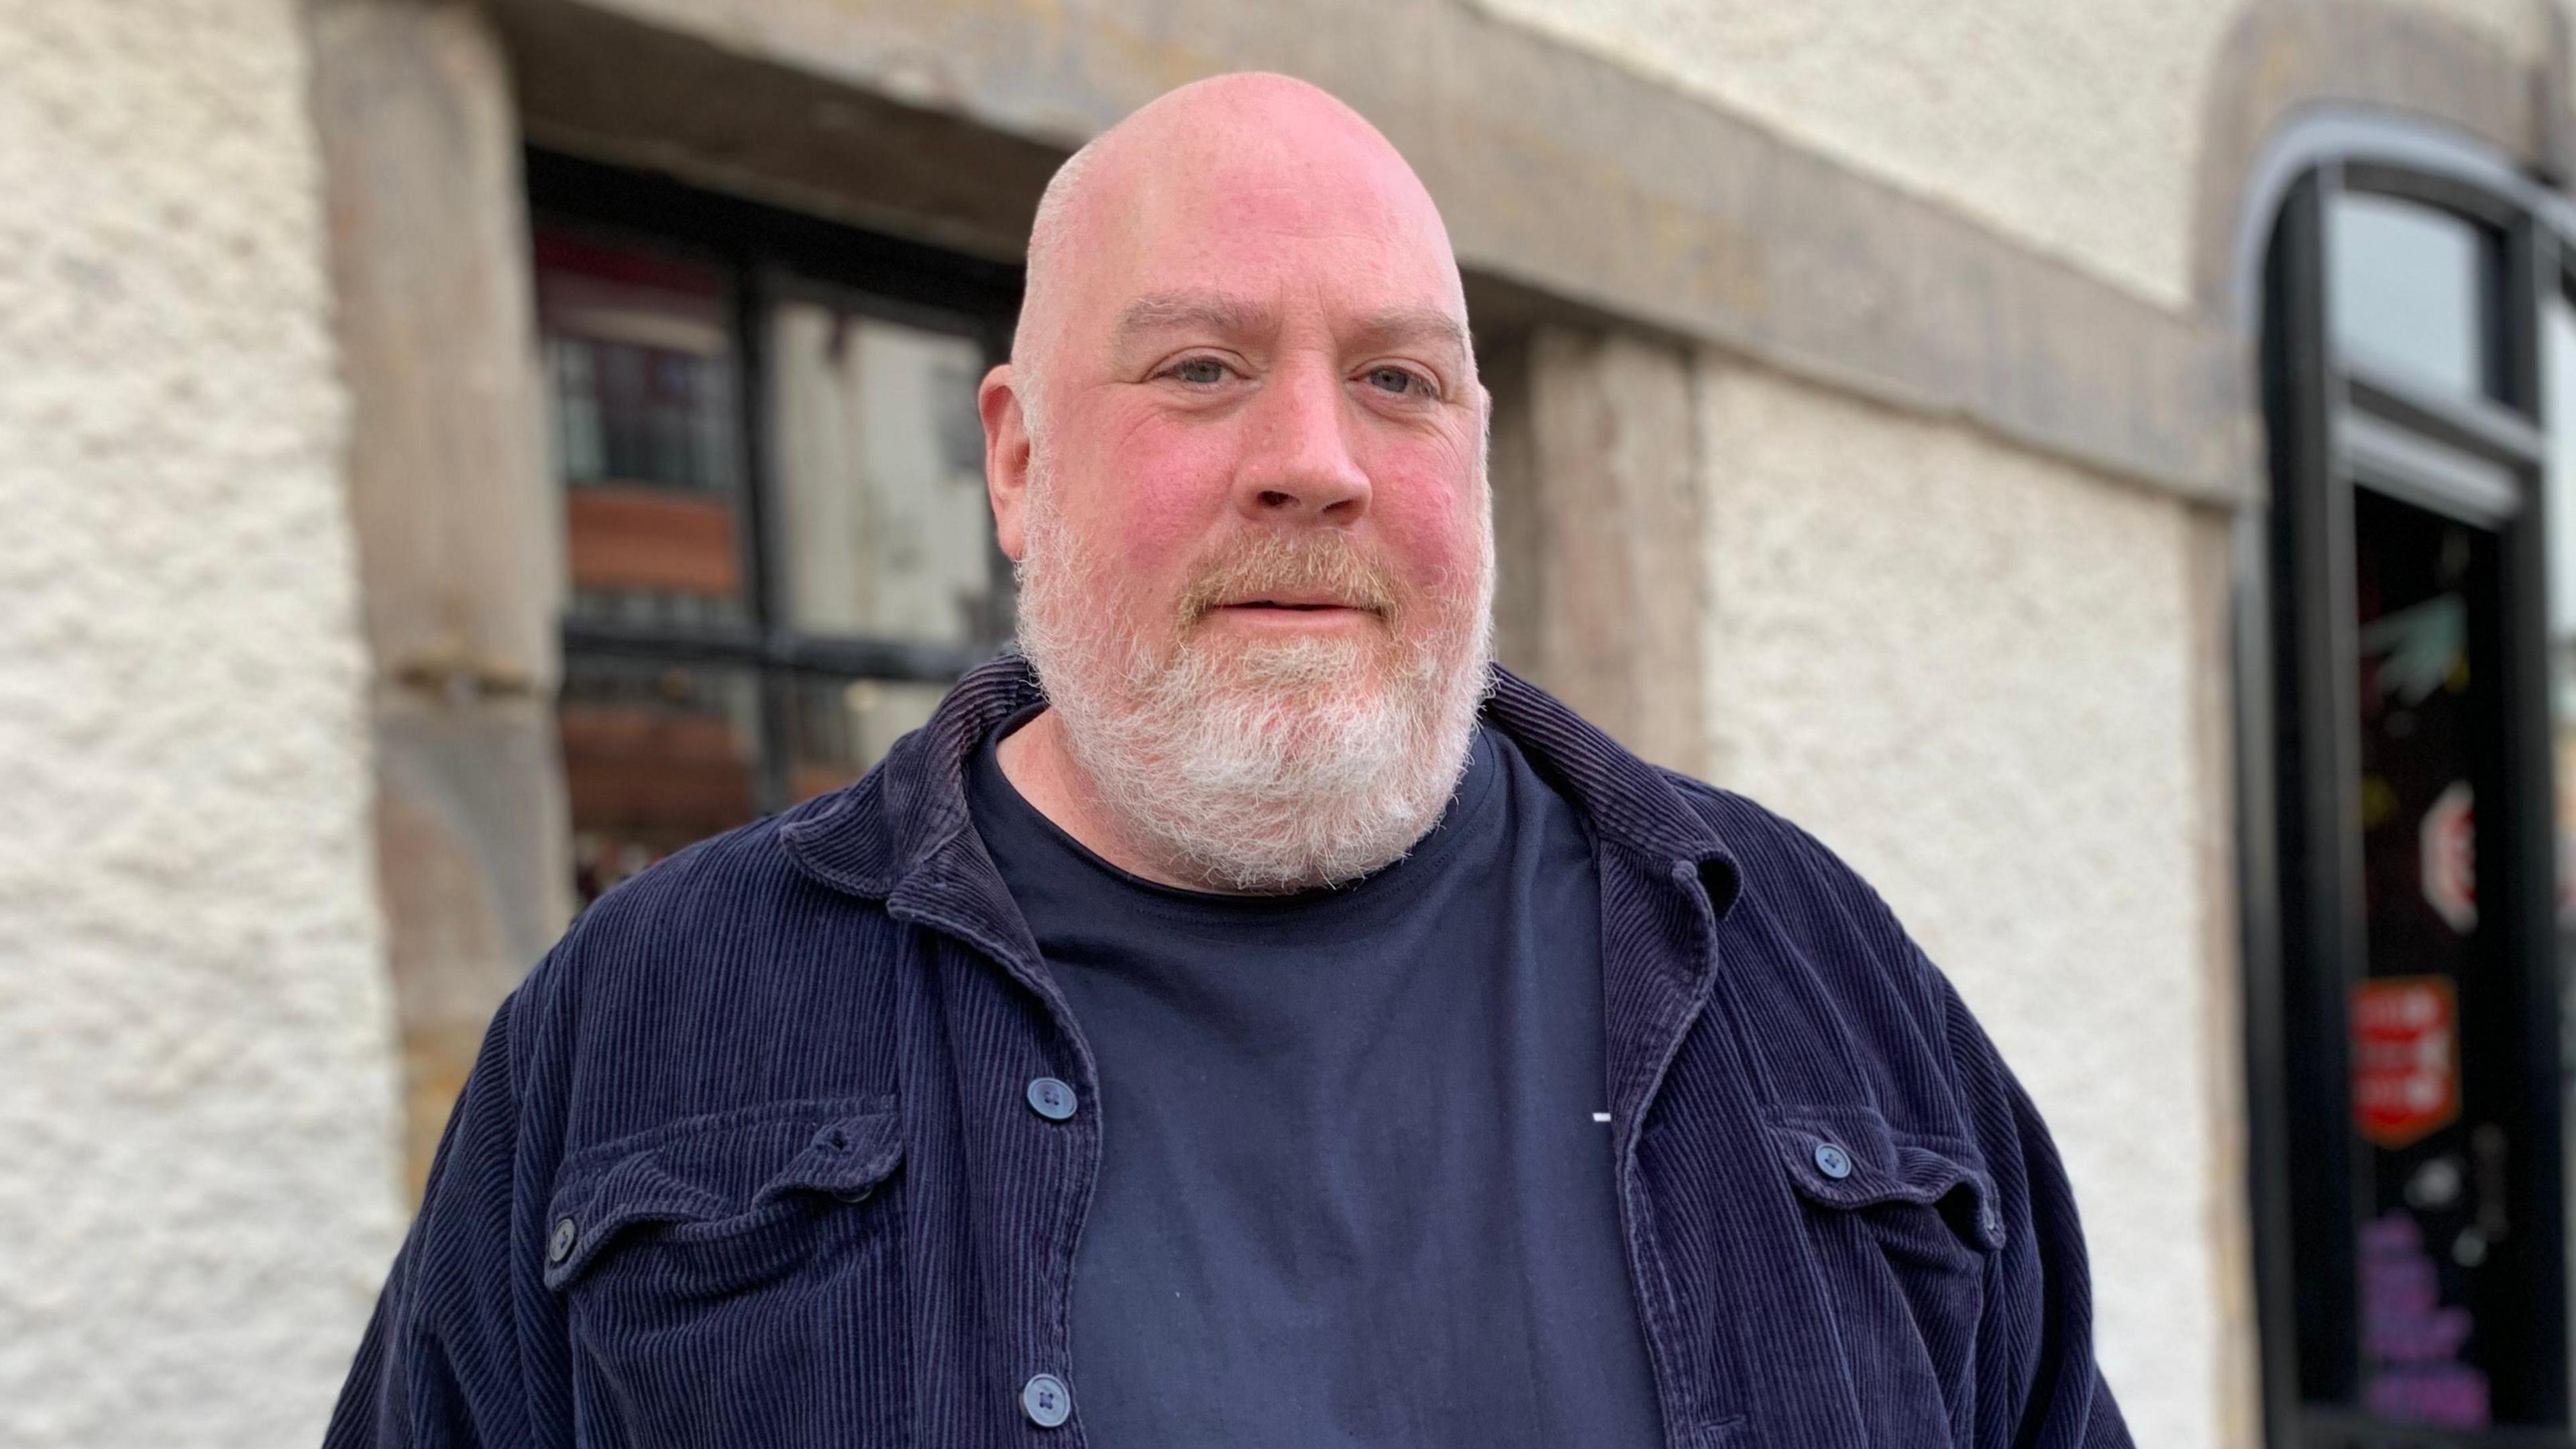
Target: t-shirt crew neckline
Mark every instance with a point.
(1471, 808)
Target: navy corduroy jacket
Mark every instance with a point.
(750, 1158)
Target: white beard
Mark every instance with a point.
(1268, 767)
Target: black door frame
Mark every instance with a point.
(2332, 423)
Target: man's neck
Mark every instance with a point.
(1038, 761)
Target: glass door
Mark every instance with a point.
(2403, 1023)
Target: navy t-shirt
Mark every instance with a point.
(1353, 1190)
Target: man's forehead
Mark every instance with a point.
(1242, 193)
(1192, 245)
(1289, 180)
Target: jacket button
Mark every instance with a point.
(1051, 1099)
(559, 1247)
(1832, 1161)
(1046, 1401)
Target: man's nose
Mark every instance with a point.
(1299, 464)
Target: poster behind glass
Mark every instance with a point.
(2426, 1102)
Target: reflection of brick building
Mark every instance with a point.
(619, 537)
(653, 756)
(460, 452)
(758, 472)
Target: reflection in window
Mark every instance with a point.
(2412, 292)
(641, 369)
(840, 727)
(656, 755)
(2558, 520)
(712, 672)
(881, 457)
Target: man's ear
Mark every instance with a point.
(1006, 458)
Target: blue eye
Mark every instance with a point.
(1200, 371)
(1393, 379)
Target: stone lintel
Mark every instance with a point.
(1557, 171)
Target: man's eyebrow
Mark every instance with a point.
(1173, 311)
(1414, 324)
(1232, 316)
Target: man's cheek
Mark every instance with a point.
(1420, 493)
(1436, 553)
(1184, 468)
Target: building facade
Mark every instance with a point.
(2092, 465)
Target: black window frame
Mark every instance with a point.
(2328, 421)
(764, 253)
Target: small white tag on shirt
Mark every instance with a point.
(1601, 1117)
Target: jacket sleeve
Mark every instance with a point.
(441, 1365)
(2038, 1386)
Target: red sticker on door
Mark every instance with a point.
(2405, 1058)
(2447, 845)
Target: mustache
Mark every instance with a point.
(1318, 565)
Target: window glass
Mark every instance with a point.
(868, 500)
(2410, 292)
(2424, 1016)
(2558, 378)
(886, 532)
(2558, 520)
(838, 728)
(640, 366)
(2408, 1076)
(656, 755)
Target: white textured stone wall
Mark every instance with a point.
(2072, 124)
(1970, 672)
(197, 1179)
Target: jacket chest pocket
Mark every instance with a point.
(737, 1279)
(1900, 1226)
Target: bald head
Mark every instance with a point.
(1239, 456)
(1221, 160)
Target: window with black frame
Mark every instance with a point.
(2403, 969)
(778, 543)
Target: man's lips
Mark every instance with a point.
(1295, 613)
(1292, 606)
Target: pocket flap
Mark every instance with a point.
(1848, 1157)
(847, 1158)
(697, 1170)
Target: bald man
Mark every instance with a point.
(1247, 1017)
